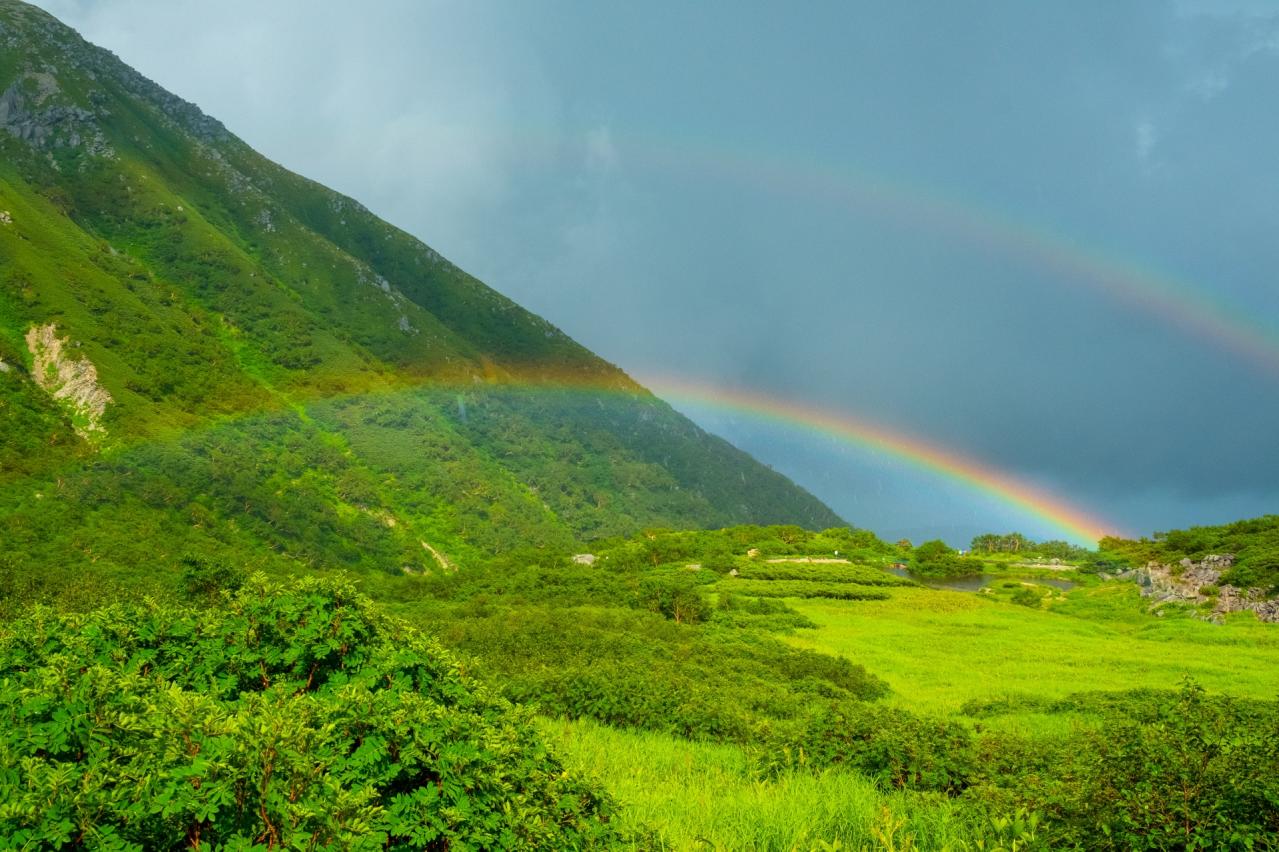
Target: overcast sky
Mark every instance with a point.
(985, 224)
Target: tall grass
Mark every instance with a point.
(703, 796)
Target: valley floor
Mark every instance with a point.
(938, 650)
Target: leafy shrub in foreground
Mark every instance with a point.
(296, 717)
(1188, 771)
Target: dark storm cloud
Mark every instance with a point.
(568, 153)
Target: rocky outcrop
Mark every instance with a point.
(73, 381)
(1199, 584)
(34, 30)
(31, 110)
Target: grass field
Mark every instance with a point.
(938, 649)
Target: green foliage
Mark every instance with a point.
(205, 580)
(890, 745)
(1024, 547)
(802, 589)
(1259, 568)
(1164, 771)
(1013, 542)
(1254, 543)
(1026, 596)
(297, 717)
(862, 575)
(937, 560)
(675, 596)
(633, 646)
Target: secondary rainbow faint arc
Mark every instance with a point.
(920, 454)
(1140, 286)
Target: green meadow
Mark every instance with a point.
(938, 649)
(943, 653)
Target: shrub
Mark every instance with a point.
(802, 589)
(676, 597)
(296, 717)
(205, 580)
(1174, 771)
(862, 575)
(1026, 596)
(890, 745)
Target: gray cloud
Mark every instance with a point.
(649, 177)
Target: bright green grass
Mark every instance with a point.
(938, 649)
(702, 796)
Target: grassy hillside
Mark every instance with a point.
(200, 350)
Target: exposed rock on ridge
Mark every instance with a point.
(1199, 584)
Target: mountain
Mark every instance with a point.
(201, 351)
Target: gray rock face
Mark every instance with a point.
(29, 111)
(1199, 583)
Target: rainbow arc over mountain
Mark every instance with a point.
(973, 474)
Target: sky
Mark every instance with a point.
(1040, 236)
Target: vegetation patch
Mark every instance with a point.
(295, 716)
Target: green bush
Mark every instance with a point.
(675, 596)
(1152, 770)
(890, 745)
(296, 717)
(1257, 569)
(937, 560)
(1196, 772)
(206, 580)
(1026, 596)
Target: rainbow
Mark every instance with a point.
(1141, 288)
(973, 475)
(932, 458)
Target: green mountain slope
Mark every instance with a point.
(202, 350)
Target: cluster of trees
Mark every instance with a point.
(938, 560)
(1015, 542)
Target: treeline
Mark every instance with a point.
(1015, 542)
